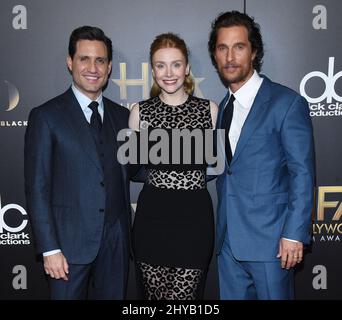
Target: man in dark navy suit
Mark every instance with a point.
(77, 192)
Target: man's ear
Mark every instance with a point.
(69, 63)
(254, 53)
(109, 67)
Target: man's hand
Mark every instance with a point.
(56, 266)
(290, 253)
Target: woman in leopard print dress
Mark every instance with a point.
(173, 232)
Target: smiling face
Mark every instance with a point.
(169, 68)
(234, 56)
(90, 67)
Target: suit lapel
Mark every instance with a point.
(221, 109)
(114, 121)
(221, 137)
(77, 121)
(255, 116)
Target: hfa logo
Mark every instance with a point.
(9, 234)
(144, 82)
(328, 225)
(318, 107)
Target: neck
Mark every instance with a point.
(174, 99)
(91, 95)
(236, 86)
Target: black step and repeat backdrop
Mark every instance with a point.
(303, 51)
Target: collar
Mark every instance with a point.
(246, 94)
(84, 101)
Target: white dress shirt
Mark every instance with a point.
(84, 102)
(244, 98)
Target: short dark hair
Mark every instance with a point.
(236, 18)
(89, 33)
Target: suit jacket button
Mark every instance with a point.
(102, 184)
(101, 210)
(229, 172)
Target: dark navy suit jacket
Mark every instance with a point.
(63, 178)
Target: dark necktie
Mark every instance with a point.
(95, 120)
(226, 122)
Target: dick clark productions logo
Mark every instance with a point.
(13, 235)
(333, 105)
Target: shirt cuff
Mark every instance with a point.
(290, 240)
(49, 253)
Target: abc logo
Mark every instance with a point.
(3, 225)
(329, 80)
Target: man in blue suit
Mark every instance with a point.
(77, 192)
(265, 194)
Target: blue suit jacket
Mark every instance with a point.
(63, 176)
(267, 192)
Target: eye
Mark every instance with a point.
(221, 48)
(159, 65)
(178, 64)
(83, 58)
(101, 60)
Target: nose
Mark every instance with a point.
(230, 55)
(92, 65)
(168, 71)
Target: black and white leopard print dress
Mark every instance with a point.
(173, 232)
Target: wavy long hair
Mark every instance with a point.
(171, 40)
(236, 18)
